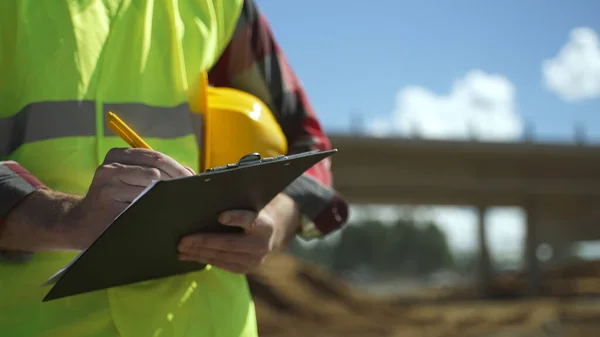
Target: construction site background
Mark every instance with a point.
(400, 278)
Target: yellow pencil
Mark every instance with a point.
(122, 130)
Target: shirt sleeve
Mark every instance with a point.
(16, 183)
(253, 62)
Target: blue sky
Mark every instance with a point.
(352, 56)
(355, 57)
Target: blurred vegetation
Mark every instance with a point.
(377, 247)
(369, 249)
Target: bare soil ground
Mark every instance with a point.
(298, 299)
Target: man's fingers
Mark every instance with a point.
(136, 175)
(123, 183)
(124, 193)
(125, 174)
(225, 242)
(238, 218)
(247, 220)
(148, 158)
(191, 170)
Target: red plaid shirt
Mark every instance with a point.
(252, 62)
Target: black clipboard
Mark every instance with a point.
(170, 209)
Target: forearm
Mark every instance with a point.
(29, 213)
(36, 223)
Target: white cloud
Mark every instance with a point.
(574, 73)
(379, 127)
(479, 105)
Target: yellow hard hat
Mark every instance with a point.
(235, 124)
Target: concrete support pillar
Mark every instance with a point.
(560, 253)
(531, 261)
(485, 263)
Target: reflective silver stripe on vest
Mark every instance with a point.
(47, 120)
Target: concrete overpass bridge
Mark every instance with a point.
(557, 186)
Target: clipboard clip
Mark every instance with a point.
(251, 158)
(255, 158)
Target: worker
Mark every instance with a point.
(64, 64)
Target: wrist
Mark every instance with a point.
(60, 219)
(287, 216)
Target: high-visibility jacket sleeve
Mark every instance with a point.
(253, 62)
(15, 184)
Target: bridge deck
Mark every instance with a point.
(405, 171)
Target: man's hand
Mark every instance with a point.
(48, 220)
(124, 174)
(265, 231)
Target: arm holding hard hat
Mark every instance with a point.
(309, 206)
(34, 218)
(254, 63)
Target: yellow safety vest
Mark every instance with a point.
(63, 65)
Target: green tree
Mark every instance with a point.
(402, 247)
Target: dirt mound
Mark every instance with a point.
(290, 286)
(294, 298)
(567, 280)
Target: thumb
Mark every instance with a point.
(247, 220)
